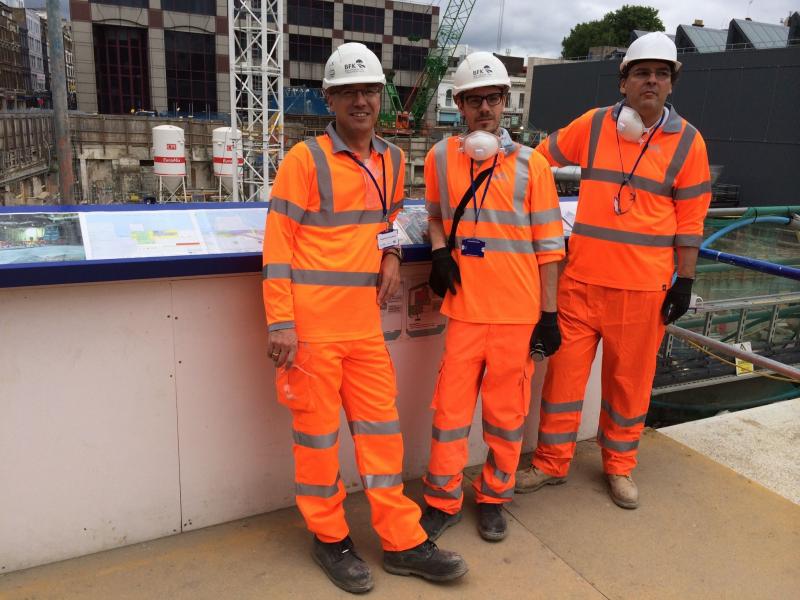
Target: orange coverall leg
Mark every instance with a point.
(629, 323)
(359, 376)
(493, 359)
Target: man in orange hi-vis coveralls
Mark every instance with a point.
(330, 258)
(644, 194)
(496, 238)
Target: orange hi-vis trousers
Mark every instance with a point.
(629, 323)
(493, 359)
(358, 375)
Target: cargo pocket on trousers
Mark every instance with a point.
(296, 386)
(525, 384)
(435, 400)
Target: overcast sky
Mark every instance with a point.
(536, 27)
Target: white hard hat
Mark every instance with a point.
(652, 46)
(480, 69)
(352, 63)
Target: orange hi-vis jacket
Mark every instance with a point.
(634, 250)
(321, 256)
(520, 223)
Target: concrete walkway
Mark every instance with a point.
(702, 531)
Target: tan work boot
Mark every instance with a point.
(623, 491)
(531, 479)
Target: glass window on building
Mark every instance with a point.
(376, 47)
(199, 7)
(309, 48)
(448, 98)
(368, 19)
(131, 3)
(121, 69)
(310, 13)
(522, 100)
(416, 26)
(190, 60)
(409, 58)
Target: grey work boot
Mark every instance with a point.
(435, 521)
(426, 561)
(342, 565)
(491, 522)
(531, 479)
(623, 491)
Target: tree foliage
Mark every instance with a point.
(614, 29)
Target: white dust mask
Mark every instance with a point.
(629, 124)
(480, 145)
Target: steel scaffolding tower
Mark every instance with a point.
(255, 45)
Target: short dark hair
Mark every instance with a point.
(623, 74)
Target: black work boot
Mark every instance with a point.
(435, 521)
(342, 565)
(426, 561)
(491, 522)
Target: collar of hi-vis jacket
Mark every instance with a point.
(380, 146)
(673, 124)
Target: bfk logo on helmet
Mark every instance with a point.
(484, 71)
(355, 67)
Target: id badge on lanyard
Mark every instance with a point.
(388, 237)
(473, 246)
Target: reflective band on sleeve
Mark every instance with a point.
(693, 241)
(394, 154)
(618, 418)
(594, 137)
(511, 435)
(614, 445)
(487, 491)
(372, 482)
(440, 158)
(498, 474)
(542, 217)
(449, 495)
(623, 237)
(343, 217)
(324, 181)
(557, 438)
(286, 208)
(637, 181)
(521, 178)
(334, 278)
(552, 408)
(434, 209)
(450, 435)
(692, 191)
(374, 427)
(282, 325)
(438, 480)
(555, 151)
(318, 442)
(681, 152)
(548, 244)
(320, 491)
(277, 271)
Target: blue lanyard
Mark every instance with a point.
(381, 195)
(485, 189)
(627, 178)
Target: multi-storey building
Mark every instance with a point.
(172, 55)
(69, 67)
(12, 77)
(36, 53)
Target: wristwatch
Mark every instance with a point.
(395, 250)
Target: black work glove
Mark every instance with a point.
(546, 337)
(677, 301)
(444, 272)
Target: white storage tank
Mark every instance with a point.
(169, 155)
(223, 140)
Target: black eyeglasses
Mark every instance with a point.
(475, 101)
(626, 195)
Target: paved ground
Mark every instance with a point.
(702, 531)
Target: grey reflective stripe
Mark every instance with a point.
(281, 325)
(552, 408)
(440, 158)
(555, 151)
(487, 491)
(504, 245)
(498, 217)
(638, 182)
(318, 442)
(618, 418)
(624, 237)
(498, 474)
(450, 435)
(286, 208)
(511, 435)
(692, 191)
(277, 271)
(343, 217)
(341, 278)
(548, 244)
(450, 495)
(681, 152)
(557, 438)
(381, 481)
(438, 480)
(394, 154)
(614, 445)
(434, 209)
(594, 136)
(693, 241)
(324, 181)
(374, 427)
(521, 179)
(542, 217)
(320, 491)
